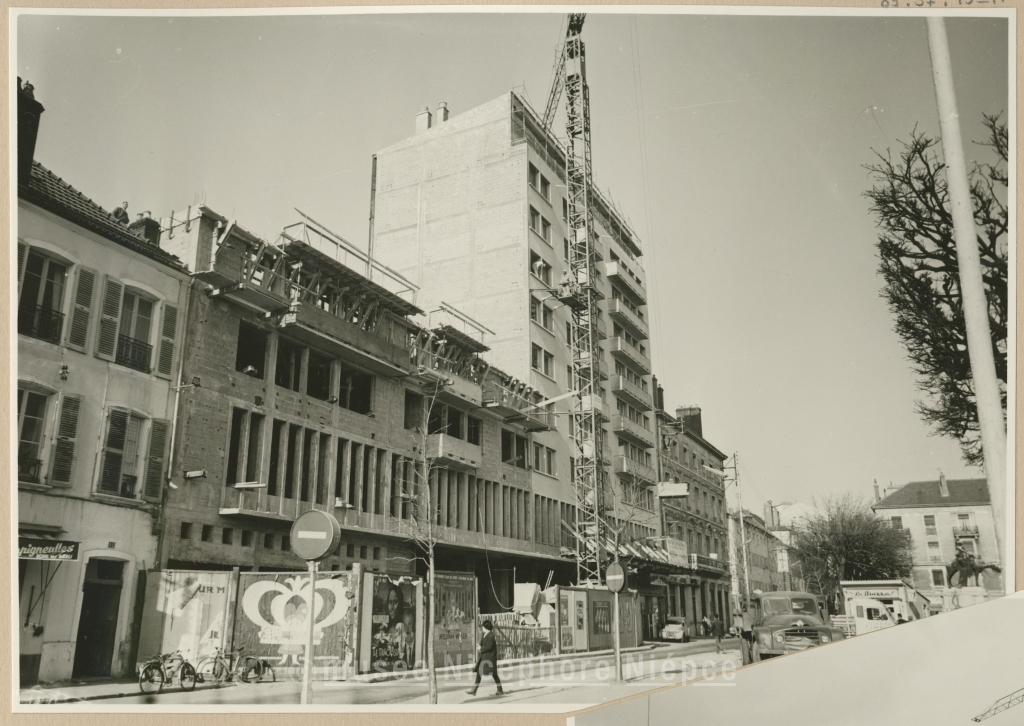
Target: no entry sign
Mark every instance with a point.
(315, 535)
(615, 577)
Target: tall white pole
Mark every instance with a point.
(975, 304)
(743, 531)
(307, 681)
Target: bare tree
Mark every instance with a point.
(918, 262)
(844, 540)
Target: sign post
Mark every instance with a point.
(314, 535)
(615, 577)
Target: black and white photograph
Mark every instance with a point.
(508, 359)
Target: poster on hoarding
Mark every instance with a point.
(454, 618)
(393, 629)
(272, 618)
(564, 621)
(184, 611)
(602, 617)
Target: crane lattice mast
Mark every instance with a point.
(1014, 699)
(581, 296)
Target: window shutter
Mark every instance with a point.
(113, 451)
(78, 333)
(64, 446)
(167, 335)
(22, 255)
(158, 440)
(110, 316)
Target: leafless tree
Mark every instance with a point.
(918, 261)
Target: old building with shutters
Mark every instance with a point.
(100, 308)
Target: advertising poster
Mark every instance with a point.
(272, 618)
(454, 618)
(393, 624)
(602, 617)
(564, 621)
(184, 611)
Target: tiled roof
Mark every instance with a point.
(54, 194)
(927, 494)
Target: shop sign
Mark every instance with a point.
(30, 548)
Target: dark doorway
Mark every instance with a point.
(97, 626)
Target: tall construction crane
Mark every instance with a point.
(1014, 699)
(580, 295)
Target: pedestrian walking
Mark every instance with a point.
(487, 659)
(718, 630)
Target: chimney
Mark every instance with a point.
(690, 416)
(423, 119)
(29, 111)
(943, 487)
(147, 227)
(769, 519)
(878, 497)
(660, 404)
(442, 112)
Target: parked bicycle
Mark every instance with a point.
(227, 665)
(161, 669)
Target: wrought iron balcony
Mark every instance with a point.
(965, 531)
(28, 469)
(128, 483)
(37, 321)
(133, 353)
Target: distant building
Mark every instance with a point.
(100, 313)
(762, 559)
(942, 516)
(781, 543)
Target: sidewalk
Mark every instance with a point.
(75, 691)
(469, 667)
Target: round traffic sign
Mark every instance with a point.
(315, 535)
(615, 577)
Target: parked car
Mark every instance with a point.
(675, 629)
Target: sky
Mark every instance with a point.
(734, 144)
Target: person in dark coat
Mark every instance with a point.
(718, 630)
(487, 659)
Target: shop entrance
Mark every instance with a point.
(97, 626)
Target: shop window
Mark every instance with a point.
(251, 356)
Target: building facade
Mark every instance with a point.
(100, 310)
(943, 516)
(696, 523)
(472, 209)
(762, 558)
(314, 383)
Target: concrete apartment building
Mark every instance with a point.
(312, 381)
(942, 515)
(472, 209)
(100, 310)
(696, 522)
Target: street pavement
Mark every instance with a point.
(582, 679)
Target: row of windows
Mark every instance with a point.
(637, 417)
(620, 332)
(132, 328)
(633, 307)
(962, 521)
(354, 390)
(268, 540)
(444, 419)
(132, 458)
(635, 378)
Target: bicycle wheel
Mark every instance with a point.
(212, 670)
(187, 676)
(151, 679)
(249, 669)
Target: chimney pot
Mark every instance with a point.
(423, 120)
(442, 112)
(29, 111)
(878, 497)
(690, 418)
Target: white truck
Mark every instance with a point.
(877, 604)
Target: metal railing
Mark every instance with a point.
(37, 321)
(133, 353)
(28, 469)
(965, 531)
(128, 482)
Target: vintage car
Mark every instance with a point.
(675, 629)
(786, 622)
